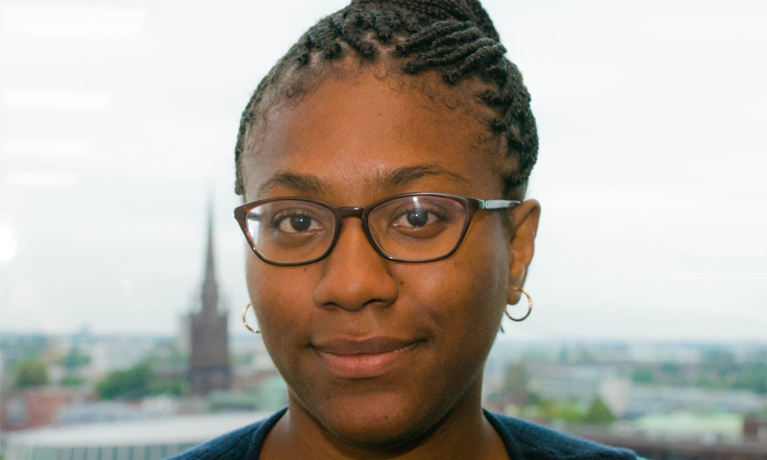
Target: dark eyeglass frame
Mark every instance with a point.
(470, 205)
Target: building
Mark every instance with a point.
(682, 436)
(151, 439)
(209, 367)
(38, 406)
(653, 399)
(581, 383)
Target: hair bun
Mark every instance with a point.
(461, 10)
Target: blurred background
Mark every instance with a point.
(117, 129)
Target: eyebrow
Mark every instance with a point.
(302, 183)
(401, 177)
(387, 179)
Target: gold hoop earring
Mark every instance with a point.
(245, 321)
(529, 306)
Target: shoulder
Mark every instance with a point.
(244, 443)
(527, 440)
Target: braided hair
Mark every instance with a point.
(454, 38)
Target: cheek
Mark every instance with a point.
(279, 295)
(464, 294)
(274, 285)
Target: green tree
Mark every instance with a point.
(75, 359)
(138, 382)
(72, 381)
(643, 376)
(29, 373)
(598, 413)
(131, 383)
(570, 413)
(719, 362)
(753, 376)
(167, 386)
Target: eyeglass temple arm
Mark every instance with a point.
(498, 204)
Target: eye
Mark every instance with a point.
(296, 221)
(418, 217)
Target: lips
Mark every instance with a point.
(362, 359)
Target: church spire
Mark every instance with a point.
(209, 285)
(209, 367)
(210, 273)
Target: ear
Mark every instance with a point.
(524, 226)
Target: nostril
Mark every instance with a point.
(355, 287)
(378, 303)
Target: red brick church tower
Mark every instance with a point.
(209, 367)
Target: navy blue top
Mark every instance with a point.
(523, 440)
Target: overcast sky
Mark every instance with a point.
(117, 122)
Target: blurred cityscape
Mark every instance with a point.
(681, 401)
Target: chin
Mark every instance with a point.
(381, 421)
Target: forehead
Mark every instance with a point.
(349, 131)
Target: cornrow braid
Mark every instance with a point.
(454, 38)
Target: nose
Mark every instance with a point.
(354, 274)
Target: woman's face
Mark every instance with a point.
(379, 351)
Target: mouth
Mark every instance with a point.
(364, 359)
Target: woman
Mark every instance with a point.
(383, 162)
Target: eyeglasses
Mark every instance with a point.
(412, 227)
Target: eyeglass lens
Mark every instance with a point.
(410, 228)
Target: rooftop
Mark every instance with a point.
(171, 430)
